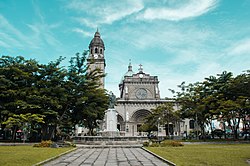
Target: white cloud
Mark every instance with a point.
(10, 34)
(40, 34)
(113, 10)
(105, 13)
(87, 22)
(169, 79)
(3, 44)
(82, 32)
(240, 48)
(191, 8)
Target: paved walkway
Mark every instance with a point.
(107, 157)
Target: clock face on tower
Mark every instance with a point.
(141, 93)
(95, 56)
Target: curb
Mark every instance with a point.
(15, 144)
(52, 158)
(159, 157)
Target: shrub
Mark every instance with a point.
(44, 144)
(218, 132)
(155, 145)
(145, 144)
(69, 144)
(171, 143)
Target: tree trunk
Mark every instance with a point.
(202, 131)
(44, 131)
(237, 127)
(211, 127)
(14, 133)
(224, 128)
(51, 133)
(91, 131)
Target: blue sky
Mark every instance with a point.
(176, 40)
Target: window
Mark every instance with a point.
(96, 50)
(100, 51)
(191, 124)
(91, 51)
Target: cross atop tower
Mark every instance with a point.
(140, 69)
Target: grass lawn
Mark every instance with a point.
(26, 155)
(220, 155)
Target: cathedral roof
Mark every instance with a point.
(96, 41)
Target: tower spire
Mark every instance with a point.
(129, 65)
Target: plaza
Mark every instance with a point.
(108, 157)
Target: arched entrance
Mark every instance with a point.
(137, 120)
(120, 123)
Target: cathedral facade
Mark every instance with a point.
(139, 93)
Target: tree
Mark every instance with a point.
(192, 104)
(88, 101)
(16, 81)
(162, 115)
(147, 127)
(223, 97)
(63, 97)
(25, 122)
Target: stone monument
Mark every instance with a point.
(111, 118)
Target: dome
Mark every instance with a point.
(128, 73)
(96, 41)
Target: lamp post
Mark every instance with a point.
(158, 126)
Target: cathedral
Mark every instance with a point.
(139, 93)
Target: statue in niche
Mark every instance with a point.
(112, 100)
(126, 89)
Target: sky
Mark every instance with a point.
(176, 40)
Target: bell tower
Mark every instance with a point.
(96, 58)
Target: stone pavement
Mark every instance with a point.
(107, 157)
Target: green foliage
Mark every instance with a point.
(223, 97)
(23, 120)
(64, 97)
(161, 115)
(165, 143)
(171, 143)
(88, 101)
(154, 144)
(147, 127)
(70, 144)
(145, 144)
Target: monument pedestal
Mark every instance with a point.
(110, 124)
(111, 120)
